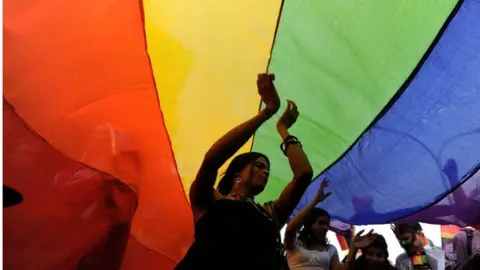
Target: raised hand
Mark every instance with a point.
(362, 241)
(268, 93)
(321, 195)
(394, 229)
(289, 117)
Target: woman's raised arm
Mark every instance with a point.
(299, 163)
(202, 191)
(299, 219)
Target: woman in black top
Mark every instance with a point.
(231, 230)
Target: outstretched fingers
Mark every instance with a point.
(359, 233)
(289, 105)
(324, 183)
(394, 229)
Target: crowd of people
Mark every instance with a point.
(232, 231)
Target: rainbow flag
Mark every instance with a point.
(110, 107)
(343, 241)
(448, 232)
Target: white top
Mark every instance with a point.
(305, 259)
(435, 258)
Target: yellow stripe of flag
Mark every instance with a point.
(205, 56)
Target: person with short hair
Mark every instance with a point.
(412, 239)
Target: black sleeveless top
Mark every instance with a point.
(235, 235)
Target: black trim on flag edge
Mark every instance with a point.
(467, 177)
(277, 25)
(280, 12)
(396, 96)
(404, 86)
(390, 103)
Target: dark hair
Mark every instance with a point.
(306, 233)
(235, 167)
(379, 243)
(408, 227)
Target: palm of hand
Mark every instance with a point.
(362, 241)
(321, 195)
(268, 93)
(289, 116)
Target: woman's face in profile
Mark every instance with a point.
(258, 173)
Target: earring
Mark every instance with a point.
(237, 181)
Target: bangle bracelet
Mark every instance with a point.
(289, 138)
(288, 141)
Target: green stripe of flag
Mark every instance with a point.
(342, 61)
